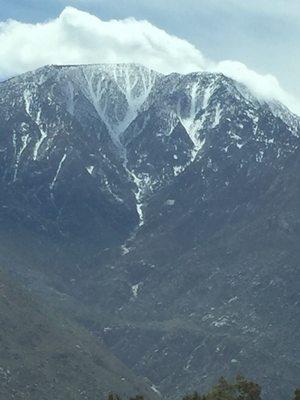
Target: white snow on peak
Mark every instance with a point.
(117, 92)
(208, 92)
(136, 86)
(292, 120)
(189, 121)
(199, 97)
(27, 100)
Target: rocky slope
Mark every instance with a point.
(44, 356)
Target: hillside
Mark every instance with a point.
(45, 356)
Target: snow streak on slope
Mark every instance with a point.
(199, 97)
(57, 173)
(117, 92)
(135, 82)
(121, 94)
(138, 193)
(42, 137)
(30, 110)
(25, 140)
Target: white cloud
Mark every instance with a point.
(264, 86)
(79, 37)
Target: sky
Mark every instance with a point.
(254, 41)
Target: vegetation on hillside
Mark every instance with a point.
(239, 389)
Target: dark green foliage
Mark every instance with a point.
(240, 389)
(138, 397)
(194, 396)
(113, 396)
(247, 390)
(297, 394)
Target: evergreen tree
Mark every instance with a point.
(137, 397)
(194, 396)
(113, 396)
(247, 390)
(240, 389)
(297, 394)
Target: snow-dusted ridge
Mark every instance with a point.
(118, 92)
(122, 97)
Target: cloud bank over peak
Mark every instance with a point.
(77, 37)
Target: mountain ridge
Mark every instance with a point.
(171, 243)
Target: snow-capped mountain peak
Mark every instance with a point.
(133, 129)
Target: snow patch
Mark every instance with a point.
(124, 250)
(135, 289)
(27, 100)
(154, 388)
(25, 139)
(42, 137)
(207, 94)
(57, 172)
(90, 169)
(170, 202)
(178, 169)
(192, 124)
(218, 114)
(134, 84)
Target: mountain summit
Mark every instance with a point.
(124, 131)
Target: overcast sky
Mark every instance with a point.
(263, 34)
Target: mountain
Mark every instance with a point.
(166, 206)
(44, 356)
